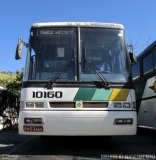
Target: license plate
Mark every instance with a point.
(33, 128)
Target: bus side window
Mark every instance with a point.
(147, 64)
(135, 71)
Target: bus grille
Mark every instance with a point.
(62, 104)
(73, 104)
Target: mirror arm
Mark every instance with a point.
(24, 43)
(131, 53)
(130, 47)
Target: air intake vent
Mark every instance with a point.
(95, 104)
(88, 105)
(62, 104)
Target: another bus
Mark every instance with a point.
(77, 81)
(144, 76)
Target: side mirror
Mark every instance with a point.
(132, 58)
(19, 47)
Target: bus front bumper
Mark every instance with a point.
(77, 123)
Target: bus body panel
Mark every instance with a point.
(78, 120)
(144, 78)
(77, 94)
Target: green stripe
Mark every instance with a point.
(85, 94)
(102, 94)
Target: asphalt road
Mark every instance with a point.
(14, 146)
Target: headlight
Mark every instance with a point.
(117, 105)
(29, 104)
(126, 105)
(39, 104)
(34, 104)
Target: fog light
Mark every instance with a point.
(128, 121)
(27, 120)
(33, 120)
(119, 121)
(123, 121)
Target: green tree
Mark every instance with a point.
(14, 85)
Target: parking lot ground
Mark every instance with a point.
(77, 148)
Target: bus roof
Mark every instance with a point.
(146, 50)
(75, 24)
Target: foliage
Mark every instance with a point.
(5, 77)
(9, 98)
(14, 85)
(9, 108)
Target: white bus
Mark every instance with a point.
(77, 81)
(144, 77)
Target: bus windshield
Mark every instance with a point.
(52, 49)
(105, 49)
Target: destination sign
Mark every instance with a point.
(55, 32)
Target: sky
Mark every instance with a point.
(17, 16)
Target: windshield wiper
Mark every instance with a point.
(92, 66)
(49, 85)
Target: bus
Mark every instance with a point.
(144, 77)
(77, 81)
